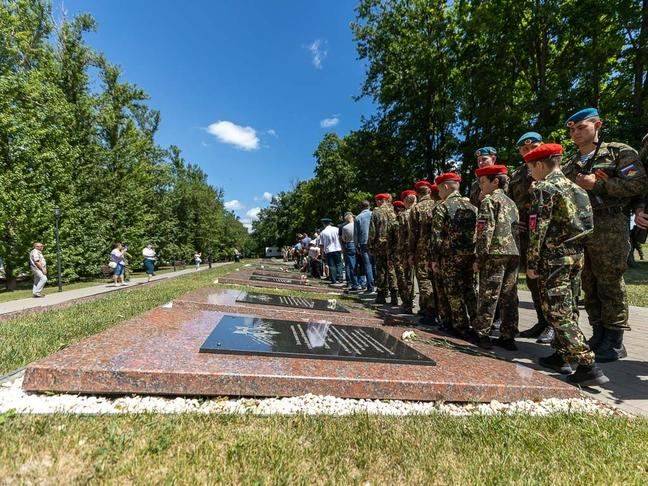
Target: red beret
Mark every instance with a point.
(543, 152)
(422, 183)
(448, 176)
(491, 170)
(383, 195)
(408, 192)
(399, 204)
(434, 188)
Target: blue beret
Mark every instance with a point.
(529, 137)
(582, 115)
(485, 151)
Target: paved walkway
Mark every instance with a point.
(628, 386)
(58, 298)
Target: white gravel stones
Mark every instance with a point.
(12, 397)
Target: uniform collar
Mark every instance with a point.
(424, 198)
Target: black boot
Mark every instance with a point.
(535, 331)
(380, 299)
(588, 375)
(597, 337)
(611, 348)
(484, 342)
(394, 298)
(557, 363)
(506, 343)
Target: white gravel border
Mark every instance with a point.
(13, 398)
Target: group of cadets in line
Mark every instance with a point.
(565, 223)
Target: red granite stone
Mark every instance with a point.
(243, 278)
(157, 353)
(224, 300)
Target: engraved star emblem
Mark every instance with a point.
(261, 333)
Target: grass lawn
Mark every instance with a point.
(24, 289)
(303, 450)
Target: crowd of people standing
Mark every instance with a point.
(565, 222)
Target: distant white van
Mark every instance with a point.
(272, 252)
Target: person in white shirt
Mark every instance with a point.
(198, 259)
(329, 241)
(38, 267)
(149, 260)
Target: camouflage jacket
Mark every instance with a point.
(420, 223)
(520, 191)
(404, 233)
(475, 191)
(497, 226)
(627, 175)
(642, 201)
(453, 227)
(554, 217)
(380, 226)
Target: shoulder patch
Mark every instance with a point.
(629, 170)
(533, 221)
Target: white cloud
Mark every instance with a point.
(267, 196)
(330, 122)
(244, 138)
(234, 205)
(252, 215)
(248, 226)
(272, 132)
(318, 52)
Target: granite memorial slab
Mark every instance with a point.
(315, 340)
(281, 280)
(329, 305)
(245, 278)
(157, 353)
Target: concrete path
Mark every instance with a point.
(19, 305)
(628, 386)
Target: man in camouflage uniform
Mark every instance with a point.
(380, 226)
(612, 175)
(486, 156)
(497, 250)
(520, 192)
(560, 218)
(405, 273)
(453, 241)
(421, 224)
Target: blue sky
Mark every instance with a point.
(246, 88)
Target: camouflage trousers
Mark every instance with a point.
(559, 281)
(385, 278)
(458, 280)
(606, 259)
(498, 284)
(405, 280)
(440, 298)
(426, 288)
(531, 283)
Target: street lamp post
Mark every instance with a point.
(57, 213)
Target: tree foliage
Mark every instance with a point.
(92, 153)
(448, 77)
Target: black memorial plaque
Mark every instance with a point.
(282, 280)
(316, 340)
(331, 305)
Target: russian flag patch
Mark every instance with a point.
(629, 171)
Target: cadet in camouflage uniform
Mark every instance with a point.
(486, 156)
(394, 245)
(497, 250)
(453, 241)
(421, 223)
(559, 221)
(406, 275)
(613, 175)
(520, 192)
(380, 226)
